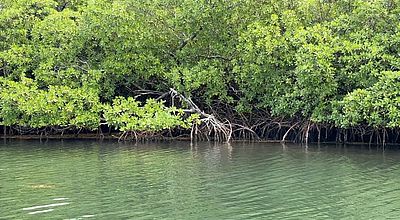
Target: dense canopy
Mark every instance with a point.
(267, 67)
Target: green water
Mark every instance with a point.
(94, 180)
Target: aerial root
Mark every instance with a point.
(210, 126)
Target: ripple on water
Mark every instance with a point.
(45, 206)
(40, 211)
(60, 199)
(206, 181)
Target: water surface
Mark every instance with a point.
(107, 180)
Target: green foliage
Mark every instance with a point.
(377, 106)
(301, 62)
(289, 72)
(24, 104)
(69, 62)
(127, 114)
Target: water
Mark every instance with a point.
(93, 180)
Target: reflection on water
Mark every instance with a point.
(107, 180)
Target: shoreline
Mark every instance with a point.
(115, 136)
